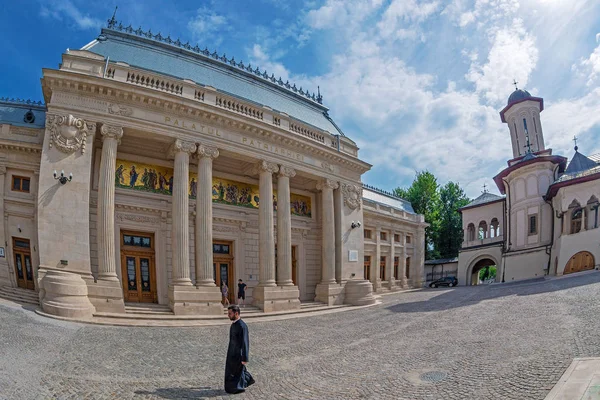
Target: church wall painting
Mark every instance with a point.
(157, 179)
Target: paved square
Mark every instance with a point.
(496, 342)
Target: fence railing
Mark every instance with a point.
(432, 276)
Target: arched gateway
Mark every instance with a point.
(473, 272)
(581, 261)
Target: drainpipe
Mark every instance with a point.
(507, 227)
(105, 67)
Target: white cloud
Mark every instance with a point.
(513, 55)
(59, 9)
(208, 26)
(590, 66)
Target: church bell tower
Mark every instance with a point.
(522, 114)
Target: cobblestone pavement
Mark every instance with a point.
(494, 342)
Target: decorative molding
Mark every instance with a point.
(2, 169)
(327, 184)
(352, 195)
(265, 166)
(287, 171)
(137, 218)
(207, 151)
(326, 166)
(220, 228)
(111, 132)
(302, 231)
(68, 133)
(24, 131)
(117, 109)
(21, 101)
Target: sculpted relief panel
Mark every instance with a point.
(157, 179)
(68, 133)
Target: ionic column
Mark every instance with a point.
(266, 249)
(402, 268)
(284, 227)
(390, 263)
(180, 239)
(204, 217)
(328, 230)
(107, 266)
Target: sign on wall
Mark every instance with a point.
(353, 255)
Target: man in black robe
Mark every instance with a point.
(237, 377)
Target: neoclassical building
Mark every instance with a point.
(155, 171)
(546, 223)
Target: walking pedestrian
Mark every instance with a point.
(225, 293)
(241, 292)
(237, 377)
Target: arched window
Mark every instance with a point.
(482, 230)
(471, 232)
(593, 214)
(576, 218)
(494, 228)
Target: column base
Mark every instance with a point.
(359, 293)
(65, 294)
(329, 293)
(404, 283)
(195, 300)
(391, 284)
(276, 298)
(106, 295)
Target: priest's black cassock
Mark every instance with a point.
(237, 377)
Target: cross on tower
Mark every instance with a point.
(484, 188)
(575, 140)
(515, 83)
(528, 145)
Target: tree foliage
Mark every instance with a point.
(439, 205)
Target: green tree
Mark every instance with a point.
(449, 235)
(424, 197)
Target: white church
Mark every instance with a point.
(546, 222)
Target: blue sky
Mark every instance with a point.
(418, 84)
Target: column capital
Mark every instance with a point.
(182, 146)
(2, 169)
(327, 184)
(287, 171)
(111, 132)
(207, 151)
(265, 166)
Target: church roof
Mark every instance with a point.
(518, 95)
(16, 112)
(484, 198)
(387, 199)
(154, 52)
(580, 169)
(579, 163)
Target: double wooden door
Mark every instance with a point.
(581, 261)
(223, 273)
(23, 266)
(367, 268)
(138, 269)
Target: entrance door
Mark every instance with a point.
(396, 261)
(581, 261)
(223, 268)
(294, 265)
(23, 268)
(138, 271)
(382, 268)
(367, 268)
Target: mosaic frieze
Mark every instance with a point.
(157, 179)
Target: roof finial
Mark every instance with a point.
(575, 140)
(515, 83)
(485, 188)
(112, 22)
(319, 97)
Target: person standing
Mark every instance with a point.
(225, 293)
(237, 377)
(241, 292)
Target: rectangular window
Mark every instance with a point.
(20, 184)
(533, 224)
(383, 235)
(367, 234)
(397, 238)
(408, 239)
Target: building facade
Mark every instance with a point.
(545, 223)
(156, 171)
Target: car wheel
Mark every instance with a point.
(435, 286)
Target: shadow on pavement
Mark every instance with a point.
(467, 295)
(185, 393)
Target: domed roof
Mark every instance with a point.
(518, 95)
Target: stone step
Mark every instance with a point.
(312, 304)
(147, 308)
(20, 295)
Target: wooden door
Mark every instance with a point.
(223, 268)
(138, 270)
(382, 268)
(396, 261)
(581, 261)
(367, 268)
(23, 266)
(294, 265)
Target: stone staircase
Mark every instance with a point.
(20, 295)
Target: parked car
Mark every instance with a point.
(447, 281)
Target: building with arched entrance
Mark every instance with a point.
(547, 221)
(156, 171)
